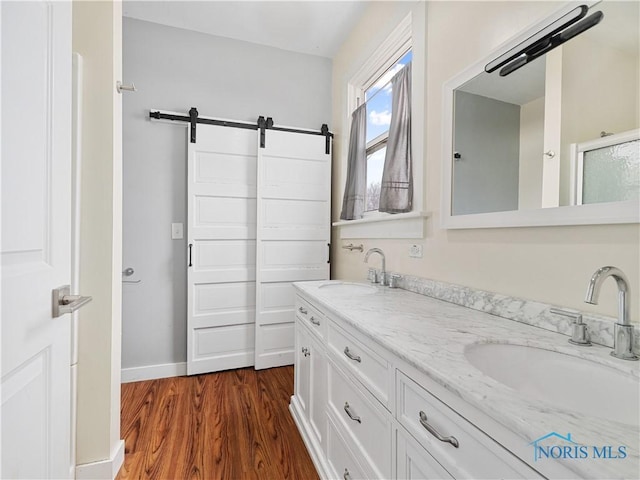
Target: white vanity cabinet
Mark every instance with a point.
(364, 413)
(461, 448)
(308, 403)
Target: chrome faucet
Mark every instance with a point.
(623, 330)
(383, 273)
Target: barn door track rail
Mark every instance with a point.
(263, 124)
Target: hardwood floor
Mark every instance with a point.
(227, 425)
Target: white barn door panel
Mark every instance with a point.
(293, 235)
(222, 249)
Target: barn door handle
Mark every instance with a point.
(63, 302)
(190, 251)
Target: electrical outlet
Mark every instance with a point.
(177, 231)
(415, 251)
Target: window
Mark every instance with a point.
(607, 169)
(408, 37)
(378, 99)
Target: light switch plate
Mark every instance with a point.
(177, 231)
(415, 251)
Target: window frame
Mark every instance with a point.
(406, 35)
(396, 46)
(379, 142)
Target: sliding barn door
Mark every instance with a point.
(294, 188)
(222, 249)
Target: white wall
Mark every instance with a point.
(97, 35)
(551, 264)
(176, 69)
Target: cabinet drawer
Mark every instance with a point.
(371, 369)
(362, 420)
(477, 455)
(340, 457)
(312, 317)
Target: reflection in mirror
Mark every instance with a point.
(608, 169)
(562, 130)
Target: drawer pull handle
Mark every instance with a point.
(452, 440)
(315, 322)
(305, 351)
(353, 357)
(302, 310)
(346, 475)
(353, 417)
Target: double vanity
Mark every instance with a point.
(394, 384)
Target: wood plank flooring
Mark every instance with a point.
(228, 425)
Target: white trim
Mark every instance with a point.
(405, 35)
(103, 469)
(593, 214)
(151, 372)
(398, 41)
(385, 225)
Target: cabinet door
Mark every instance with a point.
(318, 389)
(311, 381)
(302, 387)
(414, 462)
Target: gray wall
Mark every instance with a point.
(176, 69)
(487, 136)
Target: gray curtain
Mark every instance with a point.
(354, 190)
(396, 192)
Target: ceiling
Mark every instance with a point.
(311, 27)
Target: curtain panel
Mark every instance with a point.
(396, 192)
(354, 191)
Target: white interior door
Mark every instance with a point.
(221, 189)
(294, 231)
(36, 213)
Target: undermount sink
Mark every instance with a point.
(571, 383)
(348, 288)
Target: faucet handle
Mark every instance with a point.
(394, 278)
(372, 276)
(580, 334)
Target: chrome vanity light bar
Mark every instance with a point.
(547, 44)
(563, 22)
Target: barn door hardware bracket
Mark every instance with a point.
(327, 135)
(193, 120)
(262, 125)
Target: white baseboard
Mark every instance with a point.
(151, 372)
(105, 469)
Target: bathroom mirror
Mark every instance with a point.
(556, 141)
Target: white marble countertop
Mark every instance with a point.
(432, 335)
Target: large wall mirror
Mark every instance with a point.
(556, 140)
